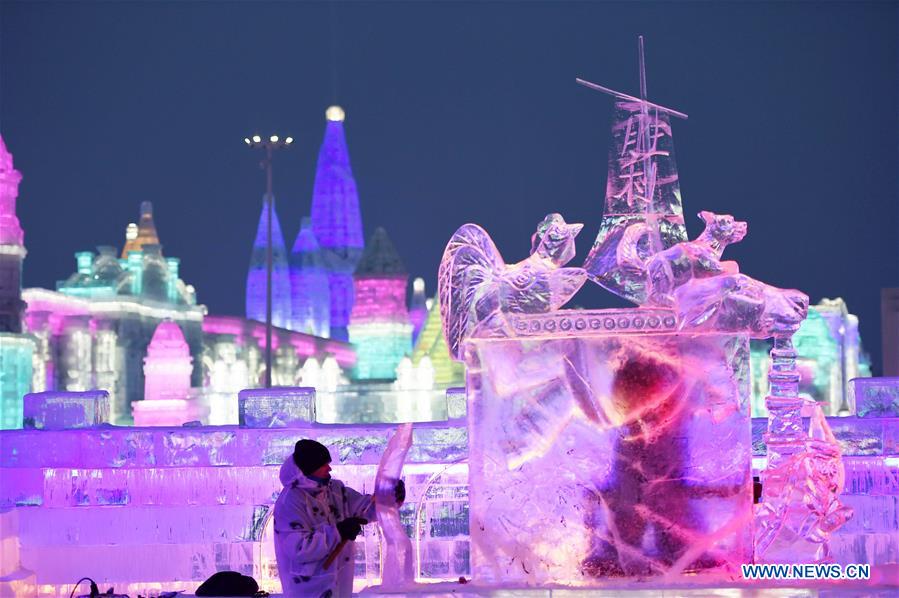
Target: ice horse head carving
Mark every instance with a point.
(477, 289)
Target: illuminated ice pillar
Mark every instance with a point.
(75, 352)
(12, 248)
(418, 311)
(336, 220)
(15, 377)
(379, 324)
(310, 294)
(256, 276)
(105, 349)
(167, 370)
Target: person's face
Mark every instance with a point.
(322, 472)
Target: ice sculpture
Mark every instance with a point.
(602, 443)
(167, 371)
(600, 446)
(336, 220)
(804, 475)
(379, 323)
(310, 297)
(397, 562)
(616, 442)
(256, 275)
(478, 291)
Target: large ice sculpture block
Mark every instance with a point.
(282, 407)
(598, 452)
(876, 397)
(62, 410)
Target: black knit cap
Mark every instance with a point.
(309, 455)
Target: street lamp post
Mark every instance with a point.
(269, 145)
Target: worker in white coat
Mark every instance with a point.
(314, 515)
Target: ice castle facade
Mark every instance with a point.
(95, 330)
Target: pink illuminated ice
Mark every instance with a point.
(167, 371)
(608, 454)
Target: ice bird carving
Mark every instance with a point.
(477, 288)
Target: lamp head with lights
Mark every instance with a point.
(273, 141)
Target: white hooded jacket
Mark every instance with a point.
(306, 516)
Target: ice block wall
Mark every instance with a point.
(166, 507)
(604, 445)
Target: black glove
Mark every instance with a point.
(350, 527)
(399, 491)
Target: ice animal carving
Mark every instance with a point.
(685, 261)
(477, 289)
(709, 294)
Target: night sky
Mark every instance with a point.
(456, 112)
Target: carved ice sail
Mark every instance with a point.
(643, 213)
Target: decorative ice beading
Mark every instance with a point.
(617, 443)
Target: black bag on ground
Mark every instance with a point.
(228, 583)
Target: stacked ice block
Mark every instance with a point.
(609, 451)
(166, 507)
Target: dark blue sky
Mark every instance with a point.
(456, 112)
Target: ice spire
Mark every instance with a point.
(310, 296)
(280, 273)
(336, 221)
(143, 234)
(379, 323)
(643, 213)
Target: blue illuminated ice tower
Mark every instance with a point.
(280, 273)
(336, 221)
(310, 294)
